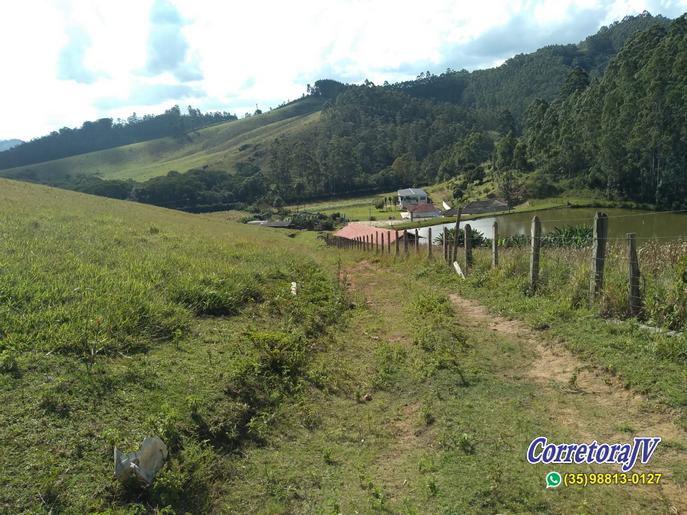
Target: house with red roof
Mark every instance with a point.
(416, 211)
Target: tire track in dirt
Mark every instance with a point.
(554, 367)
(363, 278)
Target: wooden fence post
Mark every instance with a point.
(468, 248)
(534, 256)
(429, 242)
(405, 241)
(397, 245)
(388, 242)
(417, 241)
(598, 255)
(369, 242)
(635, 294)
(495, 245)
(445, 243)
(382, 243)
(376, 242)
(456, 236)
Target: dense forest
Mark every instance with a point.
(625, 133)
(607, 114)
(525, 77)
(106, 133)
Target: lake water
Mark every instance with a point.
(646, 224)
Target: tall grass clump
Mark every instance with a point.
(436, 334)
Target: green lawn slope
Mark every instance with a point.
(216, 146)
(375, 389)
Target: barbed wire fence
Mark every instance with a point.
(405, 243)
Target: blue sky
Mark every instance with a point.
(66, 61)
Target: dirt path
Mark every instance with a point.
(591, 404)
(586, 403)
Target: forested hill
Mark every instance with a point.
(591, 119)
(106, 133)
(374, 138)
(626, 133)
(524, 77)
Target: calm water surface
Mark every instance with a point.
(646, 224)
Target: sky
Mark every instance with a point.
(67, 61)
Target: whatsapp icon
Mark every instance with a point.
(553, 480)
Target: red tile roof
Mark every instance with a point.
(354, 230)
(423, 208)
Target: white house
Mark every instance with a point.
(411, 197)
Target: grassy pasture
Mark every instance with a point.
(217, 146)
(121, 320)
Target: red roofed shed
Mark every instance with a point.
(356, 230)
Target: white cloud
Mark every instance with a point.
(144, 55)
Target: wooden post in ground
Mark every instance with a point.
(445, 243)
(429, 242)
(376, 242)
(388, 242)
(397, 245)
(382, 248)
(405, 241)
(534, 255)
(598, 255)
(635, 294)
(495, 245)
(456, 236)
(417, 242)
(468, 248)
(369, 242)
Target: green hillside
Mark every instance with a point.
(216, 146)
(376, 388)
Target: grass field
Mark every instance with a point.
(376, 389)
(354, 208)
(216, 146)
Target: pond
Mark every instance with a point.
(646, 224)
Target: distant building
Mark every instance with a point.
(479, 207)
(411, 197)
(421, 211)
